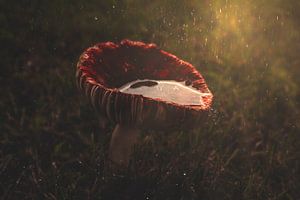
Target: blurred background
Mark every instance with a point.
(51, 145)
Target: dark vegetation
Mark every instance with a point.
(51, 144)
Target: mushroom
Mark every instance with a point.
(114, 76)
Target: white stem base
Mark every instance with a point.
(122, 142)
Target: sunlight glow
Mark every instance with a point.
(232, 31)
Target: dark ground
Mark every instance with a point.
(51, 146)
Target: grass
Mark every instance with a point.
(51, 144)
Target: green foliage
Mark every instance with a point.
(51, 145)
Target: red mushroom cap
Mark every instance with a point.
(105, 67)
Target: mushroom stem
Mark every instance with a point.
(121, 145)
